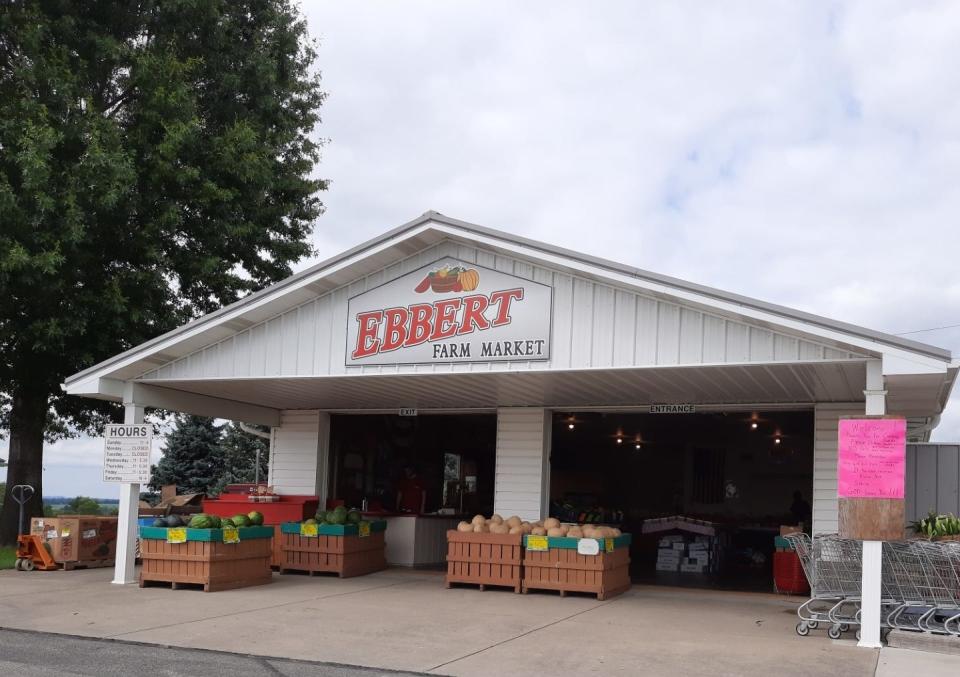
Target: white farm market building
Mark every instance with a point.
(532, 380)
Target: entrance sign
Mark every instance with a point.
(126, 453)
(673, 408)
(872, 461)
(450, 311)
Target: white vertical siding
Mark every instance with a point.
(825, 503)
(294, 452)
(522, 462)
(594, 326)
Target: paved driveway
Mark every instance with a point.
(406, 620)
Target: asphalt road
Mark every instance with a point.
(38, 654)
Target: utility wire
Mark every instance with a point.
(920, 331)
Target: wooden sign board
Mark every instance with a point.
(871, 469)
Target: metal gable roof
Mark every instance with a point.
(431, 227)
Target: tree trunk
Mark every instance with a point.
(28, 417)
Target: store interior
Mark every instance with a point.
(450, 459)
(713, 489)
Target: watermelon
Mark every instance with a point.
(215, 521)
(240, 521)
(334, 517)
(200, 521)
(256, 518)
(320, 517)
(354, 517)
(159, 522)
(173, 521)
(310, 521)
(226, 522)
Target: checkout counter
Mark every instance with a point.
(416, 540)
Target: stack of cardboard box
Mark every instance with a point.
(670, 553)
(686, 554)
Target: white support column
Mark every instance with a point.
(870, 589)
(125, 564)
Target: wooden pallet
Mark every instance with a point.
(345, 556)
(205, 587)
(211, 564)
(564, 570)
(485, 560)
(87, 564)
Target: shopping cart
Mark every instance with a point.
(924, 578)
(833, 568)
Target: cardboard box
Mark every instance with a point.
(78, 538)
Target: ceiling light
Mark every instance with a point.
(753, 426)
(570, 426)
(776, 440)
(619, 440)
(637, 445)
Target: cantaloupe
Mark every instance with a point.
(538, 531)
(480, 528)
(500, 528)
(554, 531)
(464, 526)
(589, 531)
(617, 532)
(516, 530)
(526, 526)
(574, 532)
(478, 519)
(496, 519)
(514, 521)
(551, 523)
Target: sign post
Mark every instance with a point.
(126, 461)
(871, 470)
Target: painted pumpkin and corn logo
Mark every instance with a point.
(449, 279)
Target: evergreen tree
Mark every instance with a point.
(156, 163)
(239, 452)
(192, 458)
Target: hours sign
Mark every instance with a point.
(126, 453)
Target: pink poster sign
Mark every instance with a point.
(872, 459)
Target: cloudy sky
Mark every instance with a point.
(801, 153)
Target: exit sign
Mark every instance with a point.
(408, 412)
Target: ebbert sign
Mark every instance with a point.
(450, 311)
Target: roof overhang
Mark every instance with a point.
(924, 373)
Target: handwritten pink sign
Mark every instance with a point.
(872, 459)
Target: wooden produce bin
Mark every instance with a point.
(204, 559)
(484, 559)
(336, 548)
(561, 567)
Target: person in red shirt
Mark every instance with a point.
(411, 496)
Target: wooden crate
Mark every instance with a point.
(346, 555)
(210, 562)
(563, 569)
(484, 559)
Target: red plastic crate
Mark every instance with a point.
(294, 508)
(788, 576)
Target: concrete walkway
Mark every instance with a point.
(406, 620)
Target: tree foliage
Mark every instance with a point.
(200, 456)
(155, 164)
(191, 456)
(239, 450)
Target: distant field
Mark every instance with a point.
(104, 507)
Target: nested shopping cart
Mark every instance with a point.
(924, 579)
(833, 567)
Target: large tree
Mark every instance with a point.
(192, 458)
(238, 449)
(155, 164)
